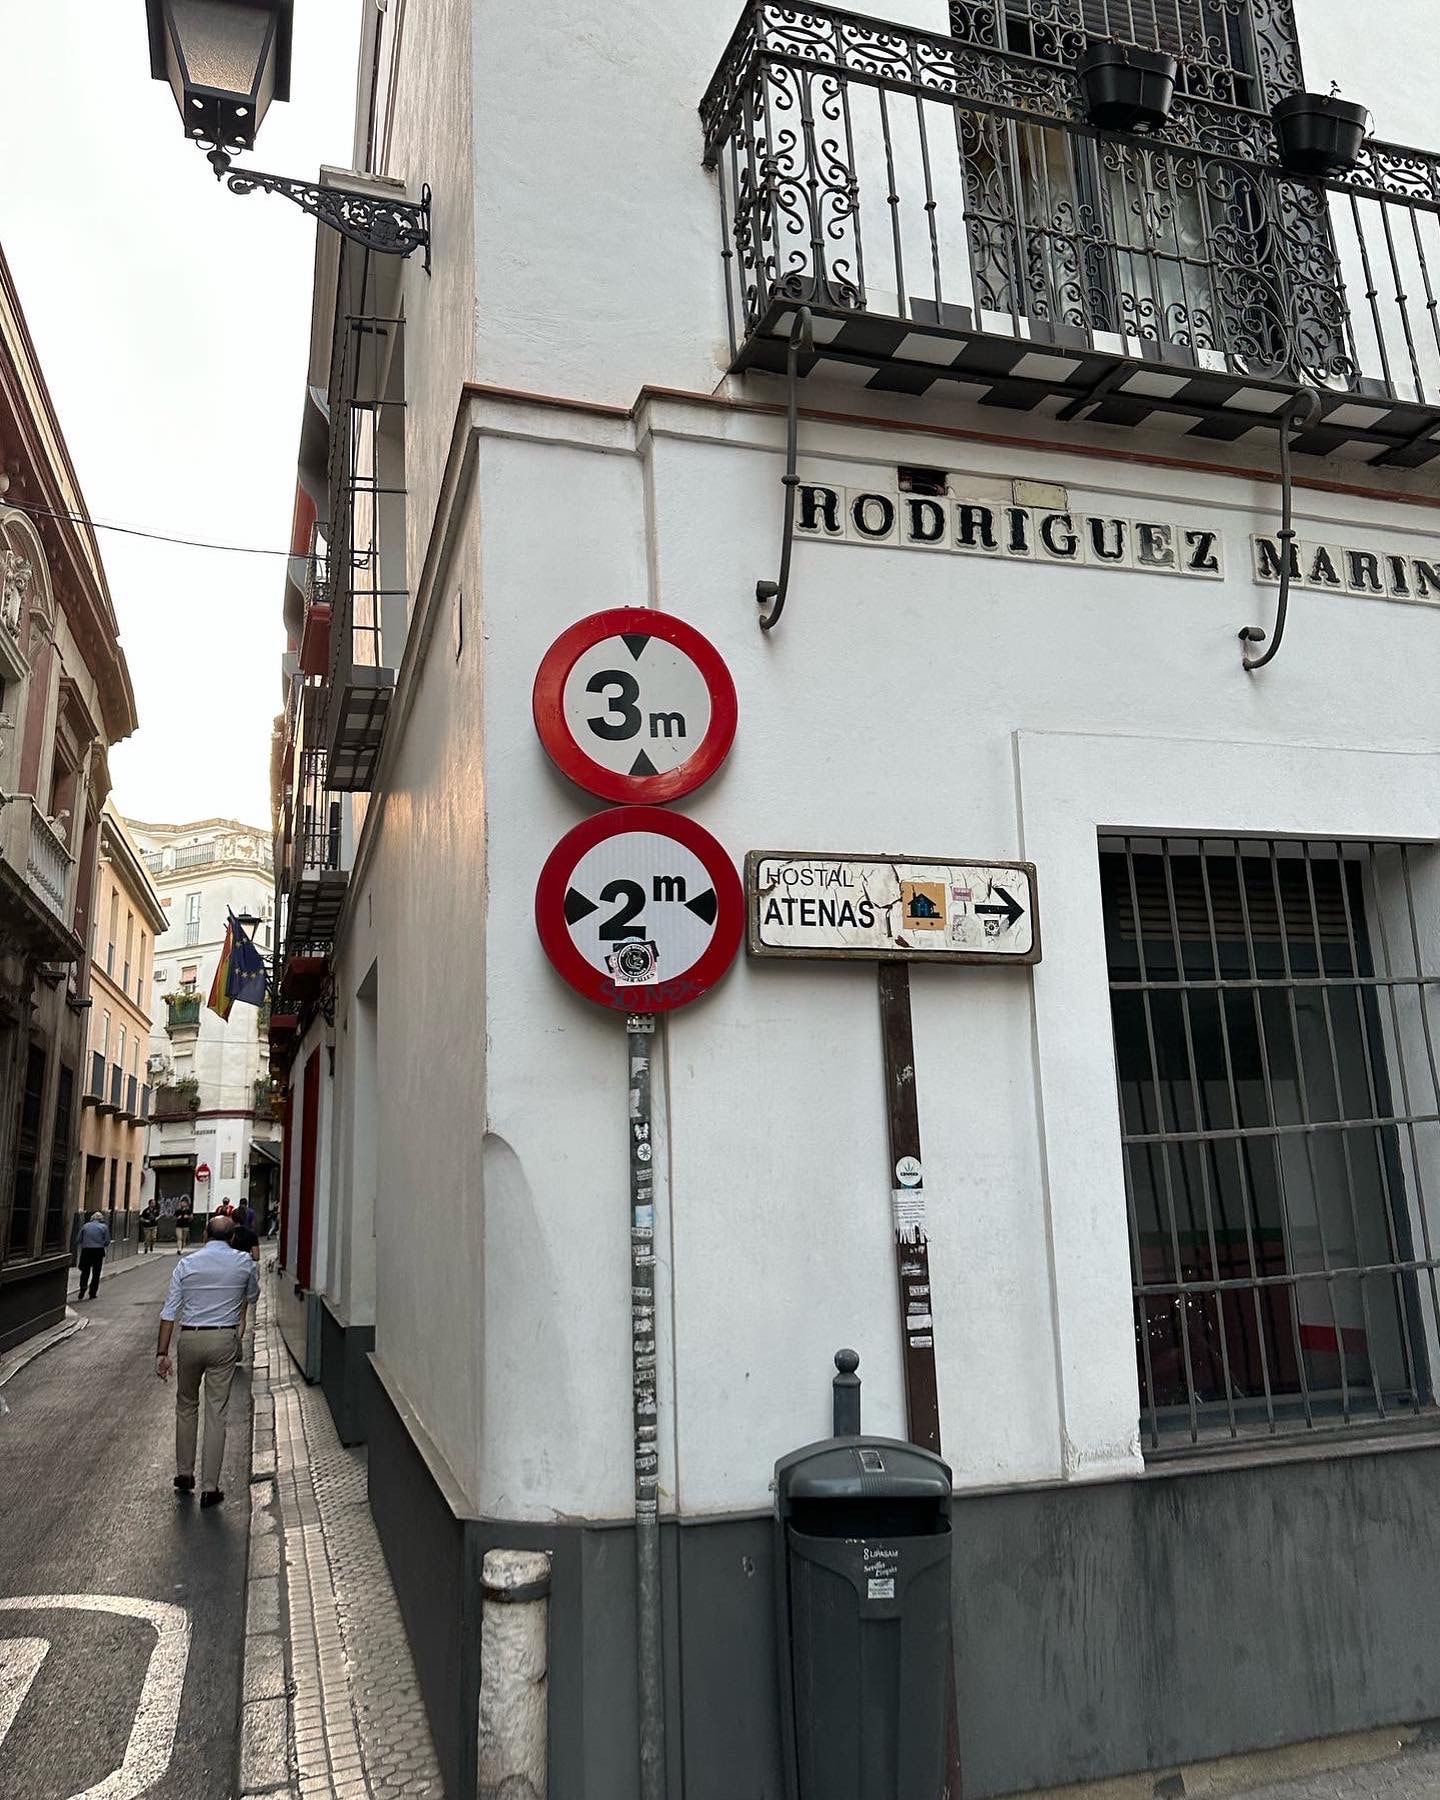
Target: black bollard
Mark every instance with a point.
(845, 1395)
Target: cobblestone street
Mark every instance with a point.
(321, 1614)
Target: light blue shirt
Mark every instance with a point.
(94, 1235)
(211, 1285)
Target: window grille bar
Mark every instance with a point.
(1204, 1160)
(1220, 1134)
(1183, 1322)
(1285, 1230)
(1274, 1129)
(1300, 983)
(1246, 1188)
(1303, 1092)
(1395, 1226)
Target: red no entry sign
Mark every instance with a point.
(640, 910)
(635, 705)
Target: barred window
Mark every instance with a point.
(1276, 1053)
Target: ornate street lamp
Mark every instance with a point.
(247, 921)
(225, 61)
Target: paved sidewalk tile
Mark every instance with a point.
(1412, 1775)
(356, 1727)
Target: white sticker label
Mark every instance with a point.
(908, 1172)
(881, 1588)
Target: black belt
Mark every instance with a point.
(234, 1327)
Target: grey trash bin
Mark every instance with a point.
(863, 1581)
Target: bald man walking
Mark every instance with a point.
(208, 1295)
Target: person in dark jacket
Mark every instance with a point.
(94, 1242)
(184, 1214)
(149, 1225)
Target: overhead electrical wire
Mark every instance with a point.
(159, 537)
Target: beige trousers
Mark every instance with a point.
(210, 1356)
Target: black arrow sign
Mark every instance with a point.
(576, 906)
(1011, 911)
(634, 642)
(705, 906)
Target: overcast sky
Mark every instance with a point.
(172, 320)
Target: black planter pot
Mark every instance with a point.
(1319, 134)
(1126, 88)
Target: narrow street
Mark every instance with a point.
(88, 1518)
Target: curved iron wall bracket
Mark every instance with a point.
(374, 221)
(1299, 412)
(773, 593)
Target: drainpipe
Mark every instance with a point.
(514, 1675)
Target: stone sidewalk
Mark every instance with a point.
(332, 1709)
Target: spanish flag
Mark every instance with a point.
(221, 1000)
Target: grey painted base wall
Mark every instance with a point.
(1099, 1630)
(345, 1374)
(297, 1312)
(32, 1298)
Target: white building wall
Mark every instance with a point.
(226, 1057)
(934, 704)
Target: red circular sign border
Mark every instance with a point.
(548, 706)
(592, 984)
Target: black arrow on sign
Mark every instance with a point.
(642, 765)
(705, 906)
(576, 906)
(1010, 911)
(635, 642)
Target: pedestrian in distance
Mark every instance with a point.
(184, 1215)
(226, 1209)
(209, 1295)
(149, 1225)
(94, 1242)
(246, 1216)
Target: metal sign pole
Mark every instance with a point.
(907, 1186)
(912, 1263)
(640, 1037)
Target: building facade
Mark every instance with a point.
(127, 923)
(1181, 1175)
(65, 697)
(213, 1131)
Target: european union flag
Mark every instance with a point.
(245, 977)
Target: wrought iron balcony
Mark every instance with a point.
(35, 867)
(114, 1099)
(318, 873)
(95, 1087)
(180, 1101)
(132, 1097)
(144, 1102)
(182, 1012)
(944, 210)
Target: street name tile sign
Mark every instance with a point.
(635, 705)
(891, 908)
(639, 909)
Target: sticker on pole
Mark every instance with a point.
(640, 910)
(635, 705)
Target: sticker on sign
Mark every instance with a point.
(880, 908)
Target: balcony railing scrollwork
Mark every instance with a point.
(944, 209)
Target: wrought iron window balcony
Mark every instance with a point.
(944, 210)
(35, 871)
(182, 1013)
(319, 876)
